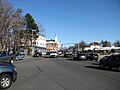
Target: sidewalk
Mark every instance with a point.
(28, 56)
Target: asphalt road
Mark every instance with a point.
(63, 74)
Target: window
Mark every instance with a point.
(110, 58)
(36, 43)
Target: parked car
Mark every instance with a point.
(112, 61)
(8, 75)
(6, 57)
(20, 57)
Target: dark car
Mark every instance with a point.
(112, 61)
(6, 57)
(85, 56)
(82, 56)
(8, 75)
(37, 53)
(68, 54)
(79, 56)
(92, 56)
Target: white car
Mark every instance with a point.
(53, 54)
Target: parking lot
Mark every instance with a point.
(63, 74)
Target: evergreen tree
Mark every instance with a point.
(105, 43)
(31, 27)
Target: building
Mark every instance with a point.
(96, 46)
(52, 45)
(40, 44)
(93, 45)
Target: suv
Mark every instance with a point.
(110, 61)
(8, 75)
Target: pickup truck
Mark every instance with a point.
(5, 57)
(8, 75)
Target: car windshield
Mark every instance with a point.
(53, 52)
(47, 53)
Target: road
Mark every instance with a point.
(63, 74)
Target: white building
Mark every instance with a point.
(97, 46)
(40, 44)
(93, 45)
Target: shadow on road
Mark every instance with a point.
(95, 63)
(98, 68)
(70, 59)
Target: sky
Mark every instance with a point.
(75, 20)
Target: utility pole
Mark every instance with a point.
(32, 43)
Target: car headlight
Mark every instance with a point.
(12, 61)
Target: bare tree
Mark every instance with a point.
(5, 11)
(117, 43)
(10, 21)
(13, 31)
(82, 45)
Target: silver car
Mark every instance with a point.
(19, 57)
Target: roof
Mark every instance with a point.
(94, 43)
(50, 40)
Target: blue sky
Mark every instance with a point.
(75, 20)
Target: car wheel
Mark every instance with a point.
(5, 81)
(102, 66)
(16, 58)
(74, 58)
(79, 57)
(118, 68)
(96, 59)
